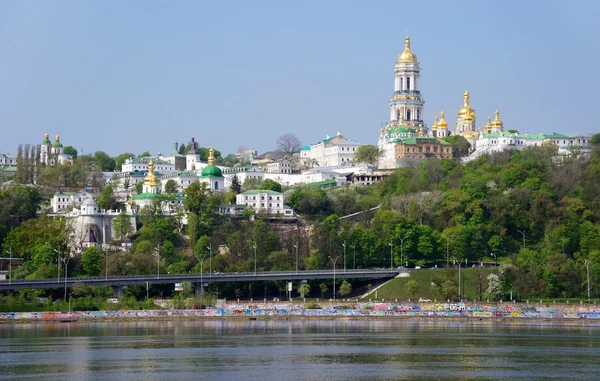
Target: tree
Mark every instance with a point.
(196, 197)
(145, 154)
(251, 183)
(91, 261)
(368, 154)
(288, 144)
(460, 146)
(304, 289)
(494, 290)
(236, 186)
(105, 162)
(120, 160)
(411, 287)
(107, 199)
(69, 150)
(122, 225)
(139, 187)
(269, 184)
(345, 288)
(171, 187)
(323, 288)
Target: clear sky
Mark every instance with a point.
(133, 76)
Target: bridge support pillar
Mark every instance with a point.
(118, 291)
(199, 289)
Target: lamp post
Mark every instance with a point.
(586, 263)
(254, 247)
(334, 262)
(447, 250)
(402, 251)
(158, 261)
(106, 266)
(9, 252)
(201, 275)
(522, 232)
(209, 247)
(391, 254)
(459, 265)
(344, 245)
(57, 262)
(354, 259)
(296, 246)
(495, 259)
(66, 263)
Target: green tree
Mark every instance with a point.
(323, 288)
(367, 154)
(345, 288)
(145, 154)
(269, 184)
(91, 260)
(197, 195)
(304, 289)
(120, 160)
(122, 226)
(236, 186)
(107, 199)
(105, 162)
(460, 146)
(251, 183)
(171, 187)
(139, 187)
(69, 150)
(412, 287)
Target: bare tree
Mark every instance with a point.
(288, 144)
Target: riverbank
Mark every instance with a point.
(255, 311)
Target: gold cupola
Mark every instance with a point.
(442, 124)
(466, 112)
(150, 178)
(497, 123)
(488, 126)
(435, 124)
(407, 56)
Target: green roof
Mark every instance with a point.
(8, 169)
(241, 168)
(146, 160)
(46, 141)
(324, 183)
(257, 191)
(526, 136)
(149, 196)
(211, 171)
(305, 148)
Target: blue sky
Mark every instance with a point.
(140, 75)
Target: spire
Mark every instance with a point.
(211, 156)
(466, 97)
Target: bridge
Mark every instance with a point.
(199, 280)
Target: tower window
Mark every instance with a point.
(408, 115)
(418, 114)
(408, 83)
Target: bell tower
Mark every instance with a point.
(407, 101)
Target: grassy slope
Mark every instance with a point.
(395, 289)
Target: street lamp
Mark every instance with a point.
(9, 252)
(158, 261)
(334, 262)
(522, 232)
(106, 266)
(459, 263)
(66, 263)
(402, 251)
(391, 255)
(344, 245)
(354, 259)
(447, 249)
(209, 247)
(254, 247)
(586, 263)
(495, 259)
(201, 275)
(296, 246)
(57, 261)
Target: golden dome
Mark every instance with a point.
(466, 109)
(488, 126)
(150, 179)
(381, 130)
(497, 123)
(435, 124)
(421, 131)
(442, 123)
(407, 56)
(211, 156)
(56, 138)
(46, 136)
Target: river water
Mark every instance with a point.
(299, 350)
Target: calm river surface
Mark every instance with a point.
(299, 350)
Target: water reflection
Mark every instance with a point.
(298, 349)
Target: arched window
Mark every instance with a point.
(398, 114)
(408, 83)
(401, 82)
(418, 114)
(216, 185)
(408, 115)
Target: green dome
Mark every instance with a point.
(57, 145)
(46, 141)
(212, 171)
